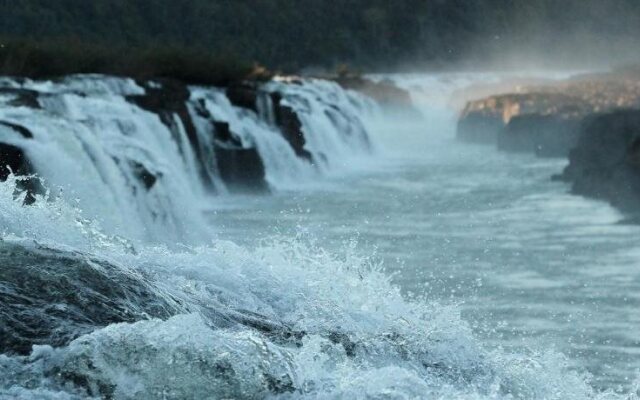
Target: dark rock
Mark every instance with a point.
(290, 127)
(167, 98)
(244, 94)
(52, 297)
(23, 97)
(544, 135)
(241, 169)
(147, 178)
(26, 133)
(224, 135)
(13, 159)
(605, 164)
(554, 110)
(483, 120)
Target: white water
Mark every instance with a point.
(86, 135)
(396, 347)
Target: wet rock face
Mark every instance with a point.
(290, 126)
(241, 169)
(22, 97)
(24, 132)
(243, 94)
(147, 178)
(167, 98)
(50, 297)
(223, 134)
(544, 135)
(605, 163)
(13, 159)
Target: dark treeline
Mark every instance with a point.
(55, 57)
(370, 34)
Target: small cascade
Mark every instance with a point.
(143, 158)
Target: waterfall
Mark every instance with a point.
(144, 159)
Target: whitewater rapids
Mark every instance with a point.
(133, 315)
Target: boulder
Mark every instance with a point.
(51, 297)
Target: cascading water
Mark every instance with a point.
(141, 172)
(114, 318)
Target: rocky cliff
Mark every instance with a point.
(605, 164)
(545, 118)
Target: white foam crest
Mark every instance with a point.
(93, 84)
(51, 222)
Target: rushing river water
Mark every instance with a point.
(530, 265)
(430, 269)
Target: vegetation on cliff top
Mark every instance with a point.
(53, 58)
(370, 34)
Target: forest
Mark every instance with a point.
(367, 34)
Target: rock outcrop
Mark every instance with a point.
(545, 119)
(243, 94)
(22, 97)
(240, 168)
(51, 297)
(545, 135)
(14, 160)
(487, 120)
(290, 125)
(605, 164)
